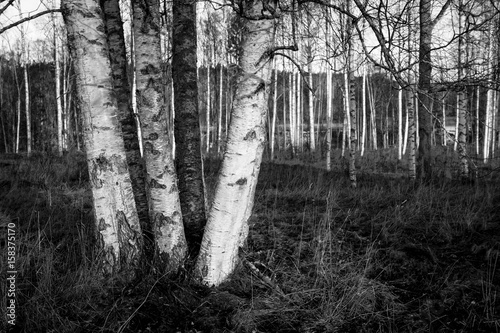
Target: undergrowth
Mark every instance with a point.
(389, 256)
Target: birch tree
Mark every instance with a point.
(227, 225)
(460, 133)
(117, 222)
(187, 128)
(118, 60)
(161, 183)
(427, 24)
(57, 78)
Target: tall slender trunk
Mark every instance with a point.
(312, 143)
(118, 60)
(187, 127)
(18, 128)
(373, 117)
(462, 101)
(353, 137)
(407, 125)
(283, 84)
(117, 222)
(423, 115)
(328, 117)
(27, 108)
(64, 103)
(363, 114)
(477, 120)
(2, 119)
(58, 95)
(292, 111)
(400, 123)
(208, 109)
(300, 120)
(275, 105)
(227, 226)
(490, 97)
(411, 133)
(443, 124)
(161, 180)
(221, 104)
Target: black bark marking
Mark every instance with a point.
(155, 184)
(130, 244)
(241, 181)
(102, 225)
(153, 136)
(250, 135)
(150, 69)
(260, 87)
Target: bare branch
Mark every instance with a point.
(4, 8)
(15, 24)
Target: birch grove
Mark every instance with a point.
(344, 76)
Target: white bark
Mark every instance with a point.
(477, 120)
(275, 104)
(27, 108)
(58, 95)
(312, 142)
(227, 225)
(328, 117)
(400, 123)
(116, 217)
(221, 103)
(363, 121)
(373, 117)
(162, 190)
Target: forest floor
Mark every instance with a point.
(389, 256)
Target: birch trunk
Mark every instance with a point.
(291, 111)
(312, 142)
(207, 111)
(411, 135)
(27, 108)
(477, 120)
(353, 137)
(283, 84)
(423, 114)
(462, 102)
(275, 104)
(490, 98)
(117, 222)
(118, 60)
(299, 117)
(57, 75)
(227, 226)
(443, 125)
(2, 120)
(400, 123)
(221, 103)
(18, 128)
(373, 117)
(187, 127)
(363, 121)
(328, 117)
(161, 180)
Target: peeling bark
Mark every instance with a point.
(118, 59)
(117, 222)
(227, 226)
(162, 189)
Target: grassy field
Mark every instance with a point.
(389, 256)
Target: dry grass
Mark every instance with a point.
(390, 256)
